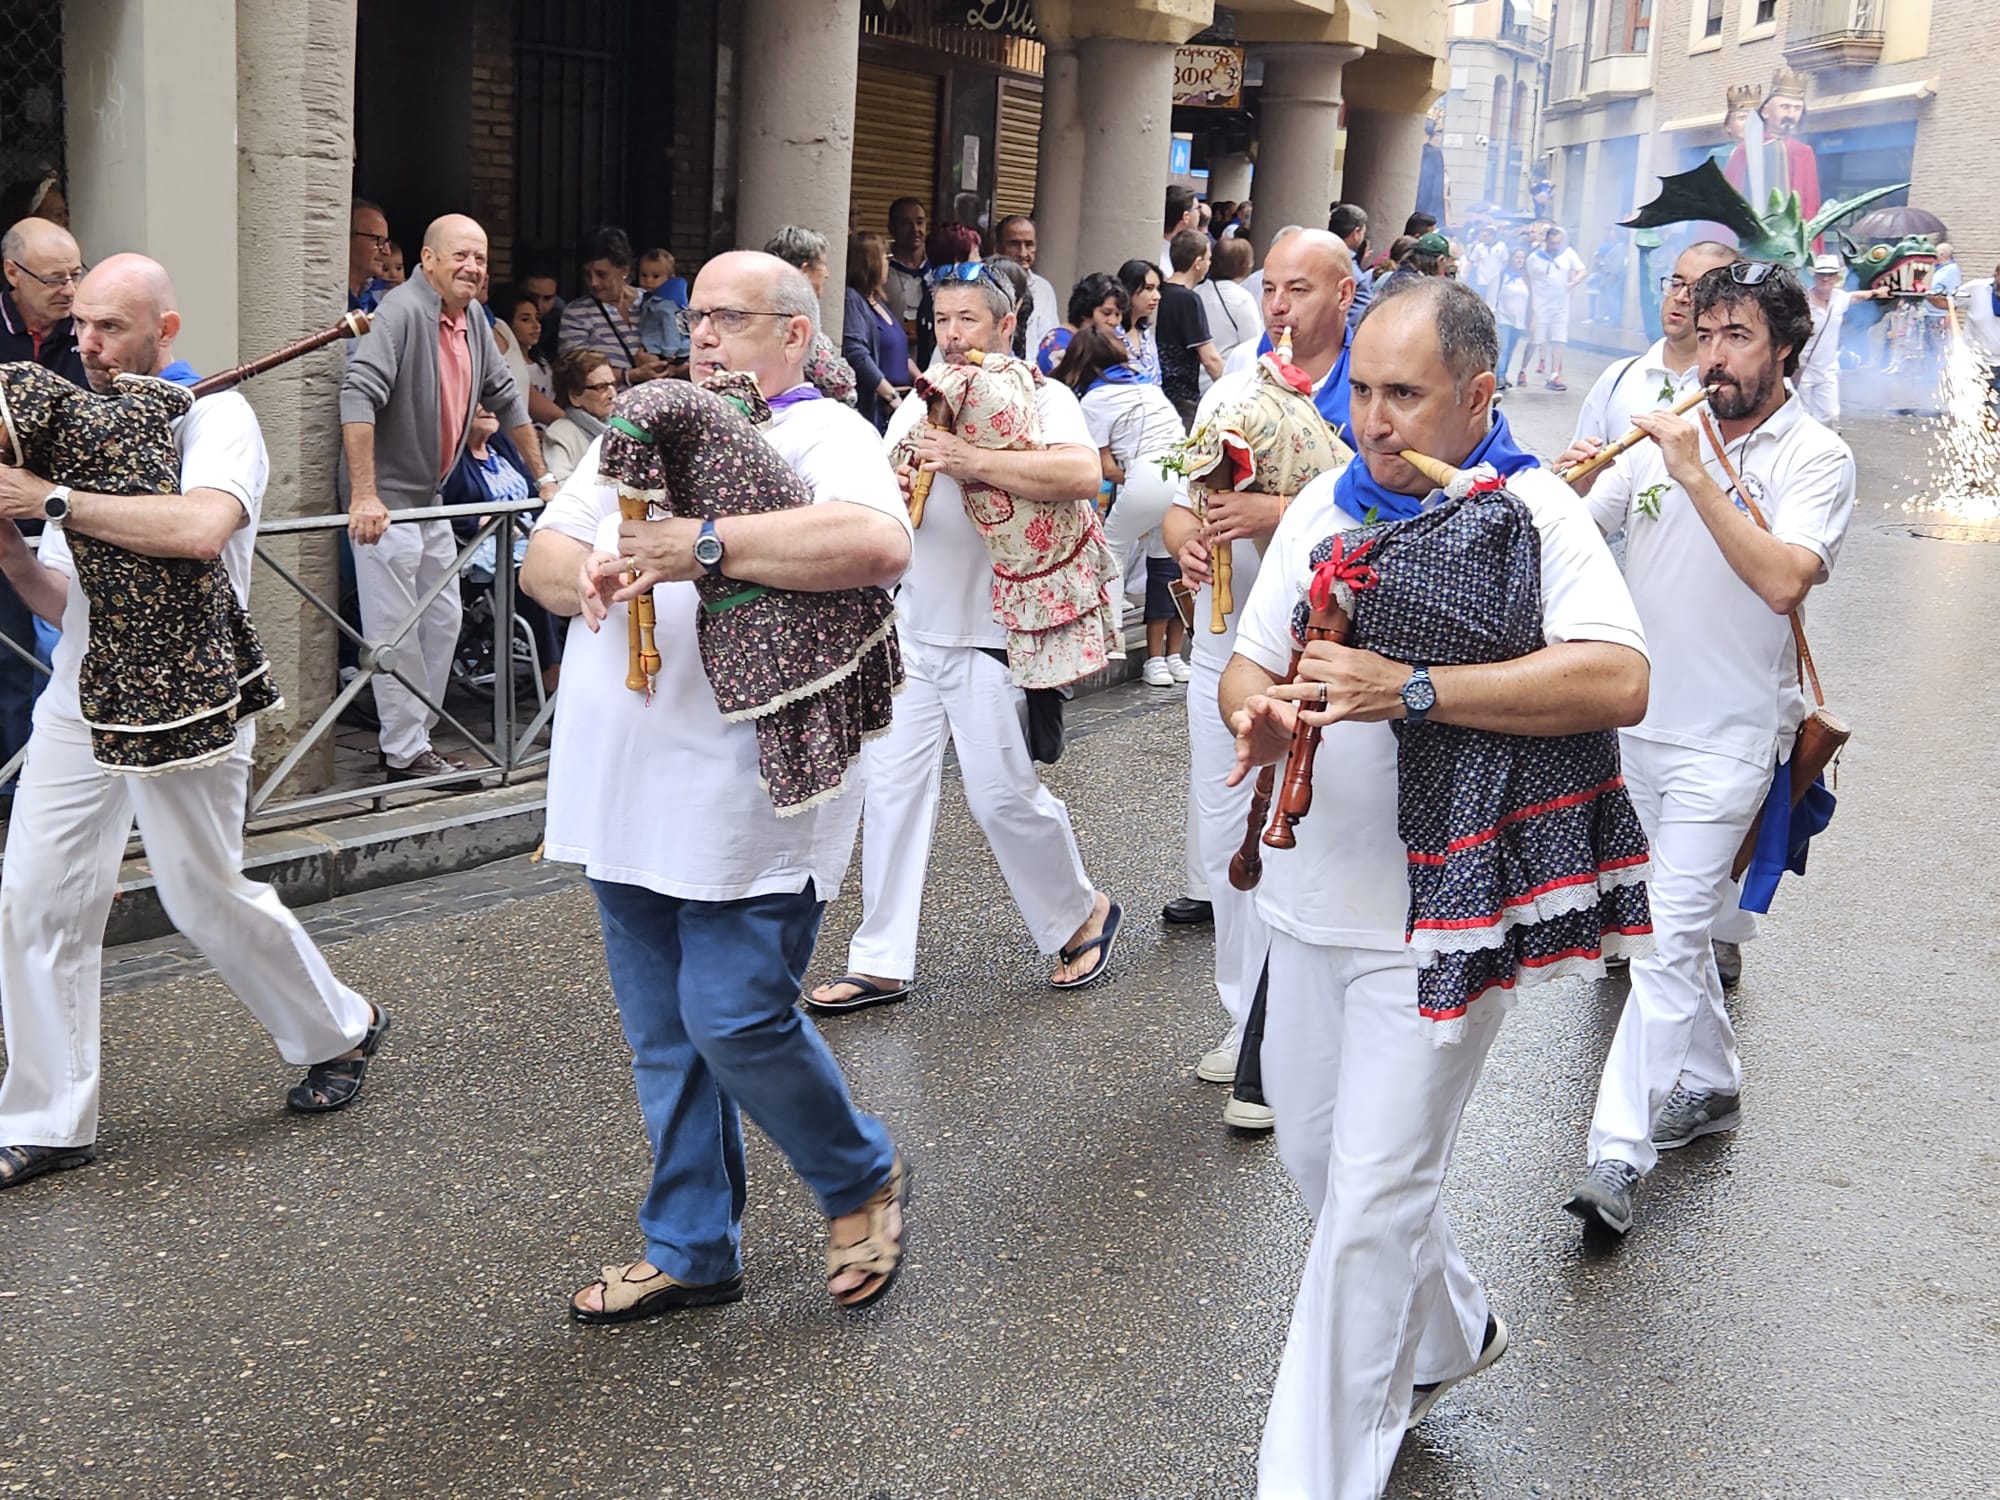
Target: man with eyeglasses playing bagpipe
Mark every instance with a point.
(1010, 589)
(1731, 516)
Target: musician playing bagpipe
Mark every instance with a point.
(709, 900)
(146, 715)
(1465, 814)
(1011, 587)
(1731, 516)
(1308, 286)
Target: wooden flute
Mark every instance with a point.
(351, 326)
(643, 659)
(1603, 455)
(1295, 795)
(920, 485)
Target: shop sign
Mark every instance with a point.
(1015, 17)
(1208, 77)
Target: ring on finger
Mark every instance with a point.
(1322, 695)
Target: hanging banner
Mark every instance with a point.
(1208, 77)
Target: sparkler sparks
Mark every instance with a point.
(1964, 478)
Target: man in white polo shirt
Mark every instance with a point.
(960, 688)
(1389, 1316)
(1715, 590)
(710, 902)
(1656, 378)
(1308, 289)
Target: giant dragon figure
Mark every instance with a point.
(1780, 233)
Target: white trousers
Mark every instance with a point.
(390, 577)
(1143, 502)
(1220, 814)
(1820, 396)
(1695, 807)
(64, 844)
(1367, 1113)
(966, 694)
(1196, 877)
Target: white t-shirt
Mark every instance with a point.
(1043, 313)
(1725, 673)
(1485, 262)
(1644, 383)
(221, 448)
(1137, 422)
(664, 795)
(1234, 319)
(947, 596)
(1346, 884)
(1550, 278)
(1982, 322)
(1820, 359)
(1510, 302)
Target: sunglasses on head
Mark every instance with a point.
(965, 273)
(1746, 272)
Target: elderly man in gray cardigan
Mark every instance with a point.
(406, 408)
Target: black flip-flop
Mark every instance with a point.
(1105, 940)
(335, 1084)
(867, 994)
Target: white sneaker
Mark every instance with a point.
(1239, 1115)
(1178, 666)
(1156, 673)
(1219, 1064)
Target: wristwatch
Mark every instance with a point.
(1419, 695)
(55, 505)
(708, 549)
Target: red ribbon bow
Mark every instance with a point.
(1345, 567)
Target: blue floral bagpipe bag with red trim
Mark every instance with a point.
(1527, 861)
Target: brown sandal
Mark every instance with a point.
(875, 1253)
(627, 1301)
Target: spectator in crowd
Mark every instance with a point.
(1240, 221)
(657, 274)
(367, 254)
(908, 264)
(587, 387)
(406, 406)
(1180, 215)
(1015, 280)
(492, 471)
(1204, 215)
(872, 337)
(1015, 241)
(1219, 224)
(43, 269)
(1818, 380)
(1133, 425)
(1982, 323)
(37, 197)
(1233, 315)
(807, 249)
(1945, 281)
(538, 278)
(1142, 281)
(946, 245)
(1348, 222)
(1099, 298)
(1430, 255)
(519, 334)
(1419, 224)
(1387, 262)
(663, 295)
(1486, 260)
(1513, 306)
(1186, 348)
(1554, 272)
(395, 270)
(606, 318)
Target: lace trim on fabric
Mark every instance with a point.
(1543, 907)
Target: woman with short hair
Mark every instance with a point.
(1099, 298)
(606, 317)
(586, 386)
(872, 337)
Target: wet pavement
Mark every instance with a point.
(236, 1302)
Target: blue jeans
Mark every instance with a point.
(1510, 338)
(707, 993)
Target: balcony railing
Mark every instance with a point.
(1566, 77)
(1834, 33)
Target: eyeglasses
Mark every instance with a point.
(1676, 286)
(727, 320)
(966, 273)
(379, 241)
(601, 385)
(61, 278)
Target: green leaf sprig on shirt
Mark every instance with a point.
(1649, 500)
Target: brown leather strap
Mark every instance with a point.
(1806, 667)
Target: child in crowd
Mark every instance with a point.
(666, 294)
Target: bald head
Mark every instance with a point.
(125, 319)
(1308, 287)
(36, 253)
(774, 345)
(454, 259)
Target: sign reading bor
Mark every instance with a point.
(1208, 77)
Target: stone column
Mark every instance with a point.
(1298, 166)
(1385, 152)
(797, 112)
(1059, 172)
(294, 88)
(151, 118)
(1229, 177)
(1127, 108)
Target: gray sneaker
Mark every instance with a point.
(1690, 1114)
(1729, 964)
(1604, 1194)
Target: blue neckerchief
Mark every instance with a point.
(180, 372)
(795, 395)
(1783, 836)
(1116, 375)
(1357, 492)
(1332, 396)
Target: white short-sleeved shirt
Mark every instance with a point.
(1550, 277)
(1346, 884)
(221, 448)
(1642, 383)
(947, 596)
(1820, 359)
(1982, 319)
(1134, 419)
(664, 795)
(1725, 671)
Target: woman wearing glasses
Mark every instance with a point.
(1142, 283)
(586, 385)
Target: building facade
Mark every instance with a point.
(1491, 130)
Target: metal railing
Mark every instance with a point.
(508, 751)
(1566, 74)
(1834, 33)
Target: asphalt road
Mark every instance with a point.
(235, 1302)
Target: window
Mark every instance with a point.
(1767, 12)
(1639, 35)
(1712, 26)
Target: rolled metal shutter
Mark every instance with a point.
(895, 143)
(1020, 149)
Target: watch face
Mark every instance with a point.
(708, 551)
(1420, 695)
